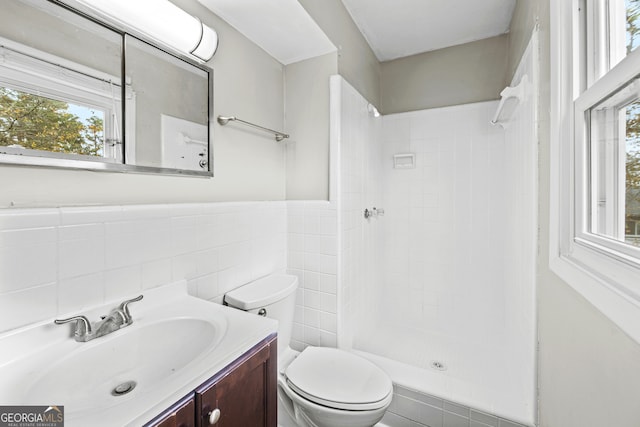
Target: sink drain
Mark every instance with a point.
(124, 388)
(440, 366)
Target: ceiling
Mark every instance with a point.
(398, 28)
(393, 28)
(283, 28)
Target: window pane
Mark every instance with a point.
(632, 24)
(614, 148)
(620, 31)
(34, 122)
(632, 175)
(60, 86)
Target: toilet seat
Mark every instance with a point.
(339, 379)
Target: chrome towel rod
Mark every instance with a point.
(279, 135)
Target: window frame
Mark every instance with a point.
(616, 79)
(127, 124)
(604, 271)
(32, 71)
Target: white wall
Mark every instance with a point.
(589, 370)
(454, 254)
(331, 246)
(356, 61)
(312, 237)
(87, 255)
(458, 245)
(307, 121)
(521, 222)
(444, 235)
(439, 256)
(59, 262)
(356, 135)
(248, 165)
(471, 72)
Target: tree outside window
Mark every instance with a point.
(38, 123)
(632, 193)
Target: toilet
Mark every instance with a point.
(318, 387)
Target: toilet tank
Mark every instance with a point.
(272, 296)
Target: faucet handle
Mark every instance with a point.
(124, 308)
(83, 326)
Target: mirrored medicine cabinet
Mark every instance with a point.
(78, 92)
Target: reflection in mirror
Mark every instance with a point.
(57, 102)
(171, 121)
(61, 91)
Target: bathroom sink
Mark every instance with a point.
(113, 368)
(175, 343)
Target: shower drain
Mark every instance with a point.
(124, 388)
(440, 366)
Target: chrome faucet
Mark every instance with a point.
(117, 318)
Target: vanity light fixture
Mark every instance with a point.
(162, 21)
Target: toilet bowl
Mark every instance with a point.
(326, 387)
(318, 387)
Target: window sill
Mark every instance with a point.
(620, 307)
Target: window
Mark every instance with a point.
(595, 205)
(607, 134)
(82, 91)
(51, 110)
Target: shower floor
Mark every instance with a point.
(482, 375)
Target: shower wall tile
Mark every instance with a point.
(312, 256)
(521, 223)
(443, 263)
(438, 218)
(359, 148)
(484, 419)
(453, 420)
(415, 409)
(57, 262)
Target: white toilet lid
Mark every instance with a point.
(339, 379)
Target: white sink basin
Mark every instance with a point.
(176, 342)
(86, 378)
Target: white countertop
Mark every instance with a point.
(27, 355)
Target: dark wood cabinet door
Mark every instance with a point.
(184, 416)
(245, 394)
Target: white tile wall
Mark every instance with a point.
(359, 184)
(312, 237)
(57, 262)
(452, 259)
(447, 260)
(413, 409)
(443, 233)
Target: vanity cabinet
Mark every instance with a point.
(242, 394)
(182, 417)
(245, 395)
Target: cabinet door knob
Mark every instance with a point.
(214, 416)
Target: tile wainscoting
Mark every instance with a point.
(312, 235)
(60, 261)
(412, 409)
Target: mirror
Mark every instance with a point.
(171, 122)
(61, 91)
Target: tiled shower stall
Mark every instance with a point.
(440, 288)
